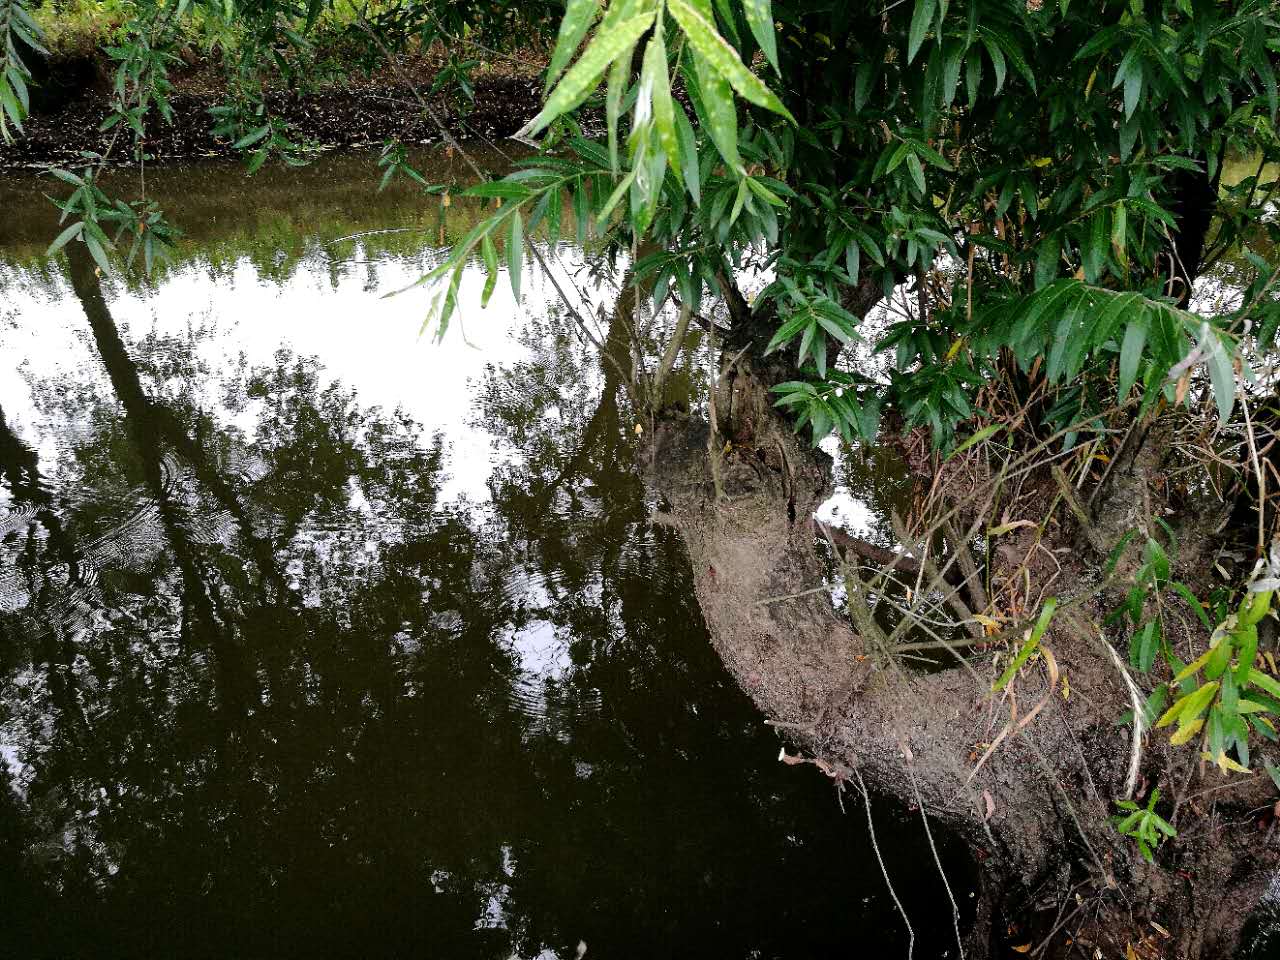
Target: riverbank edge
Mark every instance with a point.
(72, 98)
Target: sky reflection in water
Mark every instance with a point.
(317, 638)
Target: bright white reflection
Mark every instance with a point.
(364, 340)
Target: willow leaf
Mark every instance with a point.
(720, 115)
(920, 20)
(723, 59)
(578, 16)
(515, 253)
(583, 76)
(654, 73)
(760, 20)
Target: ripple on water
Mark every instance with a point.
(16, 518)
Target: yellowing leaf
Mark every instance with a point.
(1190, 706)
(1225, 763)
(1186, 732)
(1193, 666)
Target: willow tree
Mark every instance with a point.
(1030, 244)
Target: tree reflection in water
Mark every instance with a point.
(266, 695)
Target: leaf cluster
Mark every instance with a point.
(1144, 825)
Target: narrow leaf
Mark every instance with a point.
(515, 253)
(760, 20)
(723, 59)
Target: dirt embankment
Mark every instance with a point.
(1056, 875)
(72, 97)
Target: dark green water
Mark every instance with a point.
(319, 639)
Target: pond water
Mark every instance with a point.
(318, 638)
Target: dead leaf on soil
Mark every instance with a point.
(990, 803)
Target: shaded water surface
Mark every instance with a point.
(320, 639)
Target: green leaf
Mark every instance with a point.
(1033, 641)
(1144, 646)
(1273, 772)
(852, 260)
(921, 18)
(654, 74)
(11, 105)
(836, 329)
(916, 171)
(490, 255)
(997, 61)
(252, 137)
(1118, 551)
(1222, 373)
(721, 117)
(1119, 234)
(1132, 91)
(1118, 305)
(616, 86)
(515, 253)
(1265, 682)
(760, 20)
(577, 19)
(985, 433)
(973, 77)
(605, 47)
(739, 200)
(1048, 258)
(926, 152)
(65, 237)
(499, 190)
(619, 192)
(723, 59)
(688, 155)
(951, 74)
(1182, 590)
(1135, 339)
(1187, 709)
(67, 176)
(98, 253)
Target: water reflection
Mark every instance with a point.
(316, 639)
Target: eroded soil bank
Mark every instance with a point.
(72, 97)
(1056, 876)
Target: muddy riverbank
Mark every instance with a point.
(72, 98)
